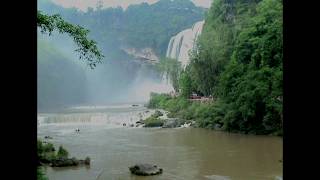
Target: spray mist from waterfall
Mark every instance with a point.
(142, 86)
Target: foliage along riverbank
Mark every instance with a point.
(237, 61)
(205, 115)
(47, 155)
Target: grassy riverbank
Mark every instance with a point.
(211, 115)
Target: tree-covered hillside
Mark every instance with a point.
(238, 61)
(138, 26)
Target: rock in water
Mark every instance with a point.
(48, 137)
(63, 162)
(145, 169)
(87, 161)
(171, 123)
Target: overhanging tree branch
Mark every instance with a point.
(87, 50)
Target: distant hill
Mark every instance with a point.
(139, 26)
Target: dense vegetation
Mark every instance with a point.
(47, 153)
(154, 120)
(238, 60)
(41, 174)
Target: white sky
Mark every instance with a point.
(84, 4)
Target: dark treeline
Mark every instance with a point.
(238, 61)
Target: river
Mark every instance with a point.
(183, 153)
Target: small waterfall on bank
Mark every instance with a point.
(180, 44)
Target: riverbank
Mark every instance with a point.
(210, 115)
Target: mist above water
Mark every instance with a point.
(119, 79)
(141, 88)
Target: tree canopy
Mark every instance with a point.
(88, 49)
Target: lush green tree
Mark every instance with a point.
(62, 153)
(88, 49)
(41, 174)
(252, 81)
(185, 84)
(171, 68)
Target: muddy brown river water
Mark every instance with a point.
(183, 153)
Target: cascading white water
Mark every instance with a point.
(180, 44)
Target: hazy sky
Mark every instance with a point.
(83, 4)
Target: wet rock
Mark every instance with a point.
(217, 127)
(139, 122)
(157, 113)
(48, 137)
(185, 125)
(145, 169)
(87, 161)
(171, 123)
(63, 162)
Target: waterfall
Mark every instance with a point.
(180, 44)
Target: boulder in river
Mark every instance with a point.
(145, 169)
(48, 137)
(171, 123)
(87, 161)
(139, 122)
(157, 113)
(217, 127)
(63, 162)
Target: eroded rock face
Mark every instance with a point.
(145, 169)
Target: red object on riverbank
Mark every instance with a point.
(195, 96)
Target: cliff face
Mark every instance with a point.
(145, 55)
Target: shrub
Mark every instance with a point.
(62, 153)
(41, 174)
(48, 147)
(153, 122)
